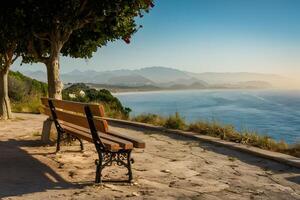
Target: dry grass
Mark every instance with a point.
(150, 119)
(175, 122)
(222, 131)
(27, 106)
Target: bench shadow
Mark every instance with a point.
(295, 179)
(263, 163)
(21, 173)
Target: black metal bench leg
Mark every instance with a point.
(129, 161)
(58, 141)
(99, 168)
(81, 143)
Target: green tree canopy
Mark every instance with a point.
(76, 28)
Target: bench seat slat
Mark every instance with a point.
(136, 142)
(113, 146)
(125, 144)
(114, 135)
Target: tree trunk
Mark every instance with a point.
(55, 86)
(5, 109)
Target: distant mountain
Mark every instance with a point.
(243, 85)
(236, 78)
(164, 77)
(38, 75)
(195, 85)
(130, 80)
(254, 84)
(162, 74)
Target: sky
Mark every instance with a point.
(206, 36)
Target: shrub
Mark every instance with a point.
(113, 107)
(27, 106)
(222, 131)
(25, 92)
(175, 122)
(293, 150)
(150, 119)
(225, 132)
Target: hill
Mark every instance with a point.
(25, 92)
(134, 80)
(240, 77)
(169, 78)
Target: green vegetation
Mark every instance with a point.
(75, 29)
(25, 93)
(232, 159)
(150, 119)
(175, 122)
(83, 93)
(36, 133)
(40, 32)
(222, 131)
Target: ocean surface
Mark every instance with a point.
(271, 112)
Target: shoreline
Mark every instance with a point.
(236, 112)
(204, 89)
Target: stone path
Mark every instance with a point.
(171, 167)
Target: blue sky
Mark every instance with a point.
(206, 35)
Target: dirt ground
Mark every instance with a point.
(171, 167)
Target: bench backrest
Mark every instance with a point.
(74, 113)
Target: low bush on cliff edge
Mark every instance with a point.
(222, 131)
(80, 92)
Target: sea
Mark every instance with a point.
(275, 113)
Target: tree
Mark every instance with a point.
(76, 28)
(10, 48)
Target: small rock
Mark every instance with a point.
(166, 171)
(146, 192)
(60, 165)
(85, 155)
(259, 192)
(110, 186)
(72, 174)
(269, 172)
(237, 173)
(172, 183)
(208, 162)
(134, 194)
(135, 183)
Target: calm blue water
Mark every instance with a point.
(272, 112)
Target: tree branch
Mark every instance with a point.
(86, 20)
(15, 58)
(82, 6)
(33, 51)
(42, 36)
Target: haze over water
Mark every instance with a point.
(272, 112)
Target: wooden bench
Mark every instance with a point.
(86, 122)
